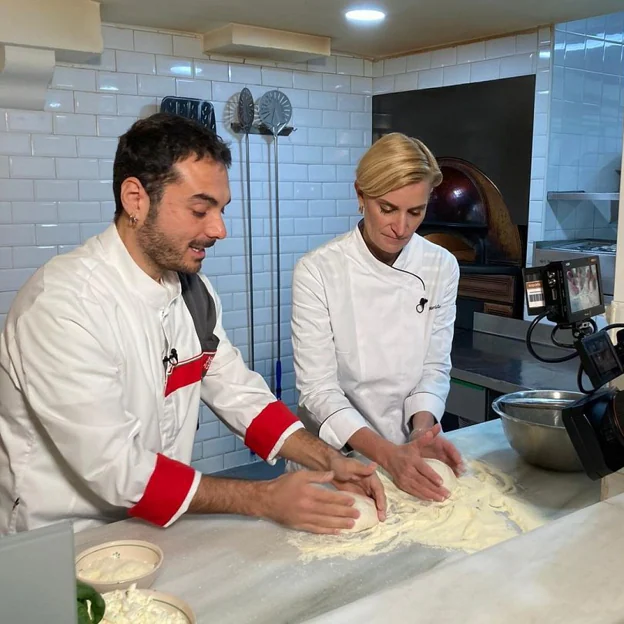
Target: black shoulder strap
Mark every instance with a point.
(202, 308)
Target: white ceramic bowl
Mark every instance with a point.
(124, 551)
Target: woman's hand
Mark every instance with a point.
(445, 451)
(411, 473)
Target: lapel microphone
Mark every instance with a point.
(421, 306)
(171, 359)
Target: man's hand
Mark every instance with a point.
(304, 448)
(354, 476)
(296, 501)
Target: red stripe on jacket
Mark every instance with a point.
(165, 492)
(188, 372)
(267, 427)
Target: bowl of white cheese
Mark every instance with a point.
(118, 565)
(145, 606)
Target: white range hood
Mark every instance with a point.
(34, 35)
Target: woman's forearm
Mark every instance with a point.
(371, 445)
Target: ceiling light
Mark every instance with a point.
(365, 15)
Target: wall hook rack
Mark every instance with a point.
(262, 129)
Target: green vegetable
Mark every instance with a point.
(86, 593)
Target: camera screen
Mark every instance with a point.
(583, 289)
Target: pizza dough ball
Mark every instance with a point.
(368, 514)
(449, 480)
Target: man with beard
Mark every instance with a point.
(108, 350)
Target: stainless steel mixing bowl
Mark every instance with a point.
(534, 427)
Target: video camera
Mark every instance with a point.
(569, 293)
(566, 291)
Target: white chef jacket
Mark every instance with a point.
(93, 423)
(372, 342)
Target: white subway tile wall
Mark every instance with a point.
(45, 209)
(503, 57)
(586, 124)
(56, 170)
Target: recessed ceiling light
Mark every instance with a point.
(365, 15)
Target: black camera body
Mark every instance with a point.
(595, 425)
(566, 291)
(600, 358)
(569, 293)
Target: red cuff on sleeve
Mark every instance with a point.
(165, 492)
(267, 427)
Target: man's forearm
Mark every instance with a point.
(251, 498)
(229, 496)
(306, 449)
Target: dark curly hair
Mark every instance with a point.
(151, 147)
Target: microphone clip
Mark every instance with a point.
(172, 358)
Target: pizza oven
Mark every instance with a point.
(467, 215)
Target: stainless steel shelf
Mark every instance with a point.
(582, 196)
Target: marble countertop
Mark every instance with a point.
(240, 570)
(505, 365)
(566, 572)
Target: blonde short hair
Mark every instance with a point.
(394, 161)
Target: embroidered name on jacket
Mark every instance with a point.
(435, 307)
(204, 314)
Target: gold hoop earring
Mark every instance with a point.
(134, 221)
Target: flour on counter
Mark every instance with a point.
(480, 512)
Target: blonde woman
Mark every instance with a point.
(372, 324)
